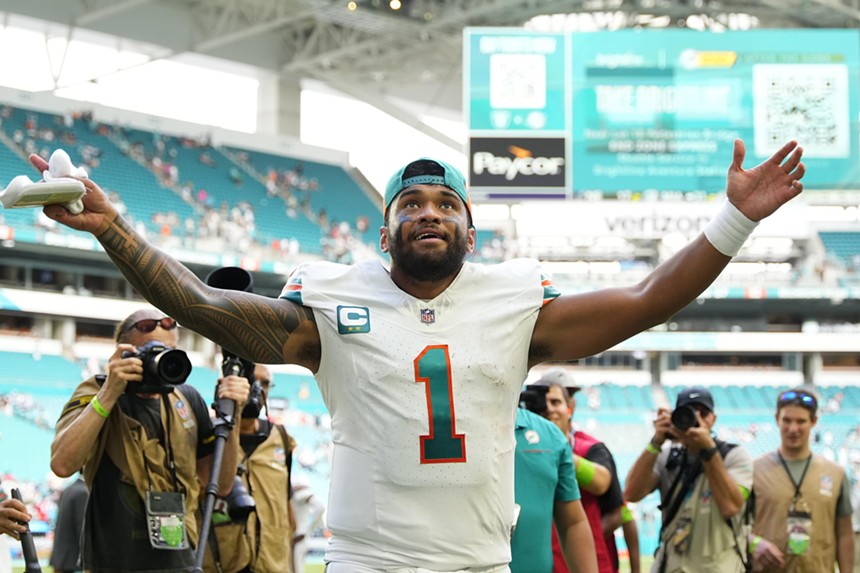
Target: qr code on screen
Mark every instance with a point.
(804, 102)
(517, 81)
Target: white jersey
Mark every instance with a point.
(422, 396)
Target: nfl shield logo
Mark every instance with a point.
(428, 315)
(182, 409)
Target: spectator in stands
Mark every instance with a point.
(66, 550)
(802, 501)
(601, 496)
(704, 484)
(546, 492)
(421, 357)
(257, 541)
(143, 467)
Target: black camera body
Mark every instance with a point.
(164, 367)
(240, 504)
(533, 399)
(684, 418)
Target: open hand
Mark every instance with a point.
(760, 191)
(98, 211)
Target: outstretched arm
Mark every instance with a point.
(258, 328)
(582, 325)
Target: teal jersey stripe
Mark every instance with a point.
(550, 291)
(293, 291)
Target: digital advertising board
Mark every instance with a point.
(653, 114)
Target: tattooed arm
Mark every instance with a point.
(261, 329)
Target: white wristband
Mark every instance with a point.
(729, 229)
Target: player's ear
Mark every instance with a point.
(383, 239)
(472, 238)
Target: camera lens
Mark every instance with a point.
(172, 366)
(684, 418)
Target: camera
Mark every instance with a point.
(163, 368)
(533, 399)
(684, 418)
(240, 504)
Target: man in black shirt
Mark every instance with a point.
(66, 551)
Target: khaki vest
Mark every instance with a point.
(125, 441)
(712, 542)
(773, 494)
(266, 481)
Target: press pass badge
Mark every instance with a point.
(799, 528)
(681, 535)
(165, 514)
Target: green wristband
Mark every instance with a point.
(585, 472)
(626, 514)
(651, 448)
(97, 406)
(754, 543)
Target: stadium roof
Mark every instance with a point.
(375, 53)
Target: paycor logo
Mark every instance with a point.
(510, 167)
(526, 163)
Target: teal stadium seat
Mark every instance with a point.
(843, 245)
(337, 193)
(138, 187)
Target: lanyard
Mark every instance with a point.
(802, 475)
(164, 440)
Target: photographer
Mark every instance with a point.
(704, 484)
(802, 500)
(253, 526)
(143, 441)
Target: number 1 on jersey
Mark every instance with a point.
(442, 444)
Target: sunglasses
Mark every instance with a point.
(798, 397)
(149, 324)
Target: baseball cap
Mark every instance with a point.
(426, 171)
(558, 377)
(695, 395)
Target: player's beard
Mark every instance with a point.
(428, 267)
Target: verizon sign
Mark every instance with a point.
(645, 220)
(506, 162)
